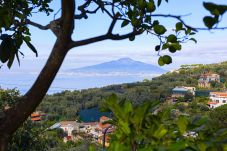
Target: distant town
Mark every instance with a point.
(98, 131)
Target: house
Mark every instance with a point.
(102, 124)
(68, 127)
(217, 99)
(181, 91)
(206, 79)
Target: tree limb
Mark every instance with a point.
(37, 25)
(179, 18)
(103, 37)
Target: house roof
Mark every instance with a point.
(212, 103)
(36, 119)
(206, 75)
(104, 118)
(219, 94)
(180, 89)
(63, 123)
(90, 123)
(35, 114)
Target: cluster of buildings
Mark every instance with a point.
(97, 131)
(216, 98)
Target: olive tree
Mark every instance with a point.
(140, 15)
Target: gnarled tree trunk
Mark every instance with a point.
(15, 116)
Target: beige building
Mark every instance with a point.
(205, 80)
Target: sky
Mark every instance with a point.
(211, 46)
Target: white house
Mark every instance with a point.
(68, 127)
(218, 99)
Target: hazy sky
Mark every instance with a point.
(211, 46)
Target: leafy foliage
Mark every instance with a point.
(140, 128)
(13, 27)
(29, 137)
(8, 98)
(217, 11)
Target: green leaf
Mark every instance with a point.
(27, 39)
(155, 22)
(209, 21)
(177, 146)
(160, 132)
(159, 2)
(127, 107)
(179, 26)
(151, 6)
(142, 4)
(11, 58)
(157, 48)
(172, 49)
(193, 39)
(182, 124)
(132, 38)
(124, 23)
(192, 33)
(18, 59)
(160, 61)
(31, 47)
(5, 50)
(165, 46)
(176, 45)
(92, 148)
(167, 59)
(172, 38)
(159, 29)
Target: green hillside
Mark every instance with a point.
(64, 105)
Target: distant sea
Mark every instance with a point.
(68, 81)
(92, 114)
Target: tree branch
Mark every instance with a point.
(110, 30)
(103, 37)
(37, 25)
(179, 18)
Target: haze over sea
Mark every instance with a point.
(120, 71)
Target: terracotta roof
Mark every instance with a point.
(104, 118)
(212, 103)
(36, 119)
(35, 114)
(219, 94)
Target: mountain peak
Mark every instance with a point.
(122, 65)
(125, 59)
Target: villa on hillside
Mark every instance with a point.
(205, 80)
(68, 127)
(181, 91)
(217, 99)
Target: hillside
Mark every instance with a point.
(70, 102)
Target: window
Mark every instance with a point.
(224, 101)
(217, 101)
